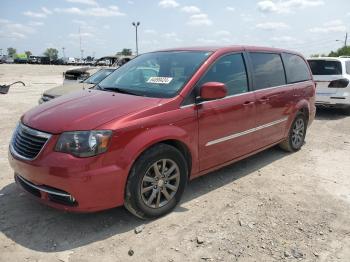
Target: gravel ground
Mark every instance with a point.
(273, 206)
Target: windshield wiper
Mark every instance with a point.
(118, 90)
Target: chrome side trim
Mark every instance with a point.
(249, 92)
(43, 189)
(223, 139)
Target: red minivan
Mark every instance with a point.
(157, 122)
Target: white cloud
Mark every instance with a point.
(46, 11)
(191, 9)
(79, 22)
(85, 2)
(286, 6)
(230, 8)
(223, 33)
(207, 41)
(4, 21)
(247, 17)
(272, 26)
(94, 11)
(168, 4)
(330, 26)
(14, 30)
(35, 14)
(150, 31)
(40, 14)
(172, 37)
(199, 20)
(283, 39)
(35, 23)
(76, 36)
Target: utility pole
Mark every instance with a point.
(346, 39)
(136, 24)
(81, 51)
(64, 56)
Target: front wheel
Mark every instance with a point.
(296, 135)
(156, 182)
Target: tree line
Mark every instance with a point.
(52, 53)
(343, 51)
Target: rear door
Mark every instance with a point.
(273, 96)
(226, 125)
(325, 71)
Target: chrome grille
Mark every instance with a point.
(27, 143)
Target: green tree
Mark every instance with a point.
(28, 53)
(11, 52)
(125, 51)
(345, 50)
(51, 53)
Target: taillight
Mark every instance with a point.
(340, 83)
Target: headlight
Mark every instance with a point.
(84, 143)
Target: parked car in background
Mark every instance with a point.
(332, 76)
(65, 89)
(137, 138)
(21, 59)
(77, 74)
(81, 73)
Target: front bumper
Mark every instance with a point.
(73, 184)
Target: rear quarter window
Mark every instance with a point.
(296, 68)
(325, 67)
(268, 70)
(347, 64)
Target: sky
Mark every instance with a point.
(307, 26)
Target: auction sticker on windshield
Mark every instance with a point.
(159, 80)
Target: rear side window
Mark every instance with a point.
(296, 68)
(325, 67)
(347, 63)
(231, 71)
(268, 70)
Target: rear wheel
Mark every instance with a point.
(296, 135)
(156, 182)
(347, 111)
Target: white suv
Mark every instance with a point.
(332, 76)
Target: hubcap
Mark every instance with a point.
(298, 133)
(160, 183)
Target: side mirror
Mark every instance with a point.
(213, 90)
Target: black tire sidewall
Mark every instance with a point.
(148, 158)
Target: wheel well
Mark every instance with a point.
(305, 112)
(183, 149)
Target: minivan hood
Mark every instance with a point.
(84, 110)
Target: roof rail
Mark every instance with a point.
(344, 56)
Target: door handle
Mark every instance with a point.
(264, 99)
(247, 103)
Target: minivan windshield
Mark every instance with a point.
(325, 67)
(157, 74)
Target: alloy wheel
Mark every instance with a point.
(298, 133)
(160, 183)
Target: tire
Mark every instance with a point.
(296, 134)
(347, 111)
(162, 190)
